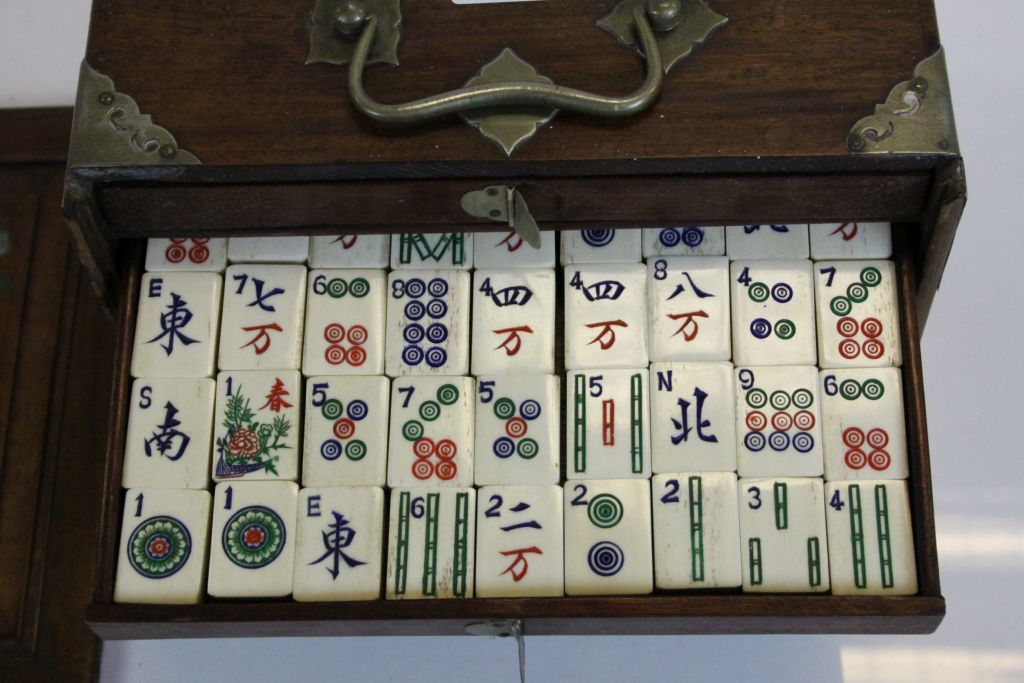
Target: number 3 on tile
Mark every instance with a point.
(755, 501)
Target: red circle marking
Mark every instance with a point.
(878, 438)
(846, 327)
(356, 356)
(804, 420)
(874, 349)
(880, 460)
(423, 447)
(178, 240)
(849, 349)
(516, 427)
(334, 333)
(200, 240)
(357, 334)
(855, 458)
(446, 470)
(445, 449)
(198, 254)
(423, 469)
(782, 421)
(175, 253)
(756, 420)
(853, 437)
(344, 428)
(335, 355)
(871, 327)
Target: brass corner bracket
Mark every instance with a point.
(916, 117)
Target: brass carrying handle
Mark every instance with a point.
(657, 15)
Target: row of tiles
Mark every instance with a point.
(678, 531)
(507, 250)
(447, 322)
(505, 429)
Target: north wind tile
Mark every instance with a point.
(693, 417)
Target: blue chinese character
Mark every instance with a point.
(167, 436)
(339, 535)
(172, 321)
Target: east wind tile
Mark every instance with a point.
(349, 251)
(513, 321)
(857, 311)
(428, 320)
(192, 253)
(773, 313)
(517, 429)
(264, 309)
(345, 315)
(411, 250)
(851, 241)
(600, 246)
(176, 327)
(688, 309)
(607, 424)
(778, 241)
(162, 555)
(268, 249)
(169, 432)
(605, 316)
(685, 241)
(506, 249)
(345, 440)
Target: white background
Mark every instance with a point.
(973, 375)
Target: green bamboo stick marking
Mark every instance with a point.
(405, 248)
(458, 248)
(402, 553)
(781, 505)
(756, 575)
(636, 427)
(813, 561)
(461, 544)
(579, 423)
(884, 543)
(860, 574)
(697, 528)
(430, 545)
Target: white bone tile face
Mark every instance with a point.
(256, 426)
(857, 314)
(851, 241)
(693, 417)
(688, 309)
(268, 249)
(431, 435)
(162, 556)
(778, 422)
(767, 241)
(686, 241)
(345, 442)
(863, 428)
(252, 540)
(176, 327)
(349, 251)
(264, 309)
(773, 313)
(187, 253)
(431, 543)
(506, 249)
(519, 549)
(427, 323)
(608, 537)
(607, 424)
(344, 329)
(870, 538)
(339, 545)
(432, 250)
(783, 542)
(517, 424)
(513, 321)
(605, 316)
(601, 246)
(696, 530)
(169, 429)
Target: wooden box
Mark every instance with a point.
(223, 119)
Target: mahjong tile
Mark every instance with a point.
(182, 253)
(345, 442)
(517, 425)
(778, 422)
(783, 543)
(605, 316)
(264, 309)
(431, 538)
(773, 313)
(858, 318)
(427, 323)
(693, 417)
(252, 539)
(430, 441)
(600, 246)
(169, 428)
(256, 426)
(513, 321)
(696, 530)
(607, 424)
(349, 251)
(685, 241)
(688, 308)
(506, 249)
(519, 549)
(767, 241)
(870, 538)
(176, 328)
(339, 546)
(344, 329)
(851, 241)
(268, 249)
(863, 430)
(608, 537)
(432, 250)
(162, 556)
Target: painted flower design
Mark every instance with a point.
(243, 443)
(159, 547)
(253, 537)
(248, 445)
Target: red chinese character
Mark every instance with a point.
(606, 337)
(347, 241)
(512, 342)
(275, 399)
(689, 328)
(261, 342)
(512, 241)
(847, 230)
(520, 561)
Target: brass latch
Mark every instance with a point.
(505, 204)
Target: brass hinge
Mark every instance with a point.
(505, 204)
